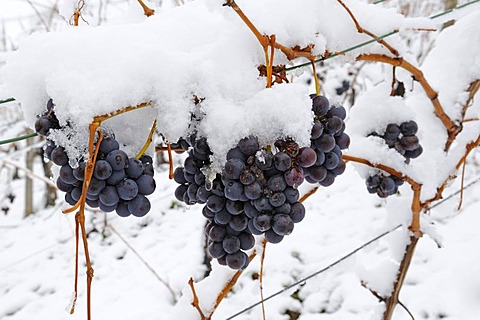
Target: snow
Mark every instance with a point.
(204, 50)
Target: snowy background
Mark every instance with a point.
(211, 53)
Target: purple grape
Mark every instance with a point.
(127, 189)
(272, 237)
(231, 244)
(109, 144)
(116, 177)
(297, 212)
(294, 177)
(282, 224)
(253, 191)
(292, 195)
(139, 206)
(63, 186)
(277, 183)
(410, 143)
(317, 173)
(59, 156)
(343, 141)
(135, 168)
(106, 208)
(238, 222)
(263, 204)
(317, 130)
(249, 145)
(43, 125)
(262, 222)
(252, 229)
(216, 250)
(237, 260)
(320, 105)
(337, 111)
(282, 161)
(306, 157)
(277, 199)
(234, 168)
(222, 217)
(66, 174)
(250, 210)
(233, 190)
(102, 170)
(331, 161)
(409, 128)
(109, 196)
(234, 207)
(117, 159)
(325, 143)
(180, 191)
(392, 131)
(178, 176)
(79, 172)
(247, 177)
(217, 233)
(122, 209)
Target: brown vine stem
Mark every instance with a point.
(146, 10)
(264, 247)
(452, 128)
(226, 289)
(362, 30)
(195, 300)
(381, 167)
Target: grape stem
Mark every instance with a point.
(149, 140)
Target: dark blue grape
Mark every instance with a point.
(392, 131)
(106, 208)
(247, 241)
(109, 196)
(272, 237)
(234, 207)
(262, 222)
(117, 159)
(328, 181)
(294, 177)
(79, 172)
(317, 174)
(102, 170)
(217, 233)
(178, 176)
(222, 217)
(284, 208)
(317, 130)
(331, 161)
(237, 154)
(249, 145)
(76, 193)
(116, 177)
(306, 157)
(215, 203)
(135, 168)
(234, 168)
(59, 156)
(122, 209)
(139, 206)
(277, 199)
(66, 174)
(231, 244)
(282, 161)
(250, 210)
(265, 162)
(43, 125)
(333, 125)
(69, 199)
(292, 195)
(238, 222)
(320, 105)
(252, 229)
(277, 183)
(343, 141)
(253, 191)
(337, 111)
(127, 189)
(262, 204)
(92, 203)
(409, 128)
(282, 224)
(237, 260)
(297, 213)
(63, 186)
(109, 144)
(202, 194)
(325, 143)
(180, 191)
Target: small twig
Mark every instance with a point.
(262, 260)
(145, 263)
(170, 161)
(455, 193)
(146, 10)
(406, 309)
(362, 30)
(308, 194)
(462, 186)
(195, 300)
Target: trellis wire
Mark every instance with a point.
(316, 273)
(456, 192)
(7, 100)
(376, 39)
(27, 136)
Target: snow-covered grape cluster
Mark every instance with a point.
(402, 137)
(256, 193)
(119, 182)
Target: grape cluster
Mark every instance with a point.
(255, 194)
(404, 140)
(118, 183)
(328, 139)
